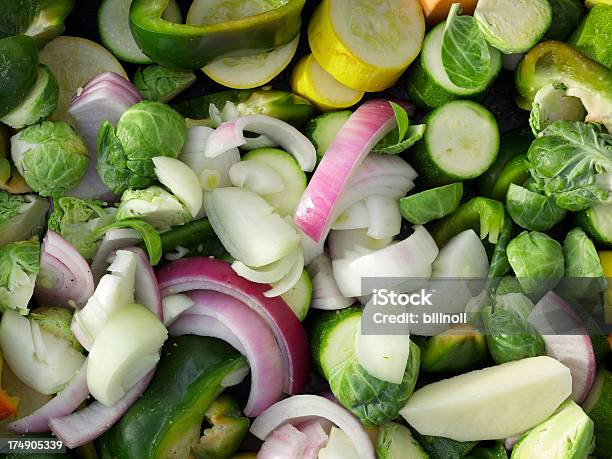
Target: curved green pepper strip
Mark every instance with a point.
(500, 266)
(515, 171)
(190, 46)
(166, 421)
(554, 62)
(485, 216)
(149, 235)
(228, 428)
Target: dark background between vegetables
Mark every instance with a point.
(82, 22)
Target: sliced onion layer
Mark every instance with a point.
(201, 273)
(366, 126)
(64, 278)
(92, 421)
(146, 288)
(300, 407)
(256, 341)
(117, 238)
(231, 135)
(325, 292)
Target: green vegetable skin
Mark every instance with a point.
(431, 204)
(166, 420)
(531, 210)
(159, 83)
(193, 46)
(19, 265)
(566, 15)
(19, 69)
(584, 274)
(553, 62)
(444, 448)
(455, 350)
(496, 451)
(598, 406)
(594, 38)
(282, 105)
(21, 216)
(57, 322)
(197, 236)
(43, 20)
(395, 441)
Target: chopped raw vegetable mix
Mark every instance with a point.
(290, 229)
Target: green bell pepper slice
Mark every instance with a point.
(456, 350)
(43, 20)
(19, 69)
(554, 62)
(190, 46)
(166, 421)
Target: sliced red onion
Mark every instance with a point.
(510, 442)
(285, 441)
(117, 238)
(87, 424)
(300, 408)
(256, 340)
(573, 348)
(199, 273)
(317, 431)
(105, 98)
(364, 129)
(231, 135)
(64, 403)
(201, 325)
(64, 278)
(325, 293)
(146, 288)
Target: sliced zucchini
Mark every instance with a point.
(395, 441)
(332, 337)
(428, 84)
(245, 72)
(299, 296)
(513, 27)
(322, 129)
(460, 143)
(292, 175)
(114, 28)
(597, 223)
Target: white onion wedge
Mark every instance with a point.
(273, 272)
(181, 180)
(385, 217)
(257, 177)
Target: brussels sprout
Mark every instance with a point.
(155, 206)
(282, 105)
(551, 103)
(584, 274)
(43, 20)
(373, 401)
(162, 83)
(57, 322)
(395, 441)
(146, 130)
(537, 261)
(228, 428)
(78, 221)
(421, 208)
(455, 350)
(499, 265)
(51, 156)
(509, 334)
(568, 433)
(39, 103)
(19, 265)
(531, 210)
(21, 217)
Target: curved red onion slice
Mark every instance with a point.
(256, 340)
(64, 276)
(64, 403)
(363, 130)
(300, 408)
(87, 424)
(115, 78)
(201, 273)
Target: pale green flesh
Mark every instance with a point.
(340, 343)
(299, 296)
(462, 139)
(206, 12)
(601, 218)
(113, 23)
(432, 63)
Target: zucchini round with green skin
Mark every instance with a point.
(513, 27)
(322, 129)
(166, 420)
(291, 174)
(114, 28)
(19, 69)
(38, 105)
(460, 143)
(191, 46)
(597, 223)
(428, 84)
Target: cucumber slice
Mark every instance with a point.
(74, 61)
(332, 338)
(18, 68)
(428, 205)
(598, 406)
(292, 175)
(460, 143)
(247, 72)
(513, 27)
(299, 296)
(40, 102)
(114, 28)
(428, 84)
(597, 223)
(395, 441)
(205, 12)
(322, 129)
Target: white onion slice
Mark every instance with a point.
(266, 274)
(117, 238)
(290, 279)
(325, 293)
(385, 217)
(342, 242)
(181, 180)
(173, 306)
(257, 177)
(356, 216)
